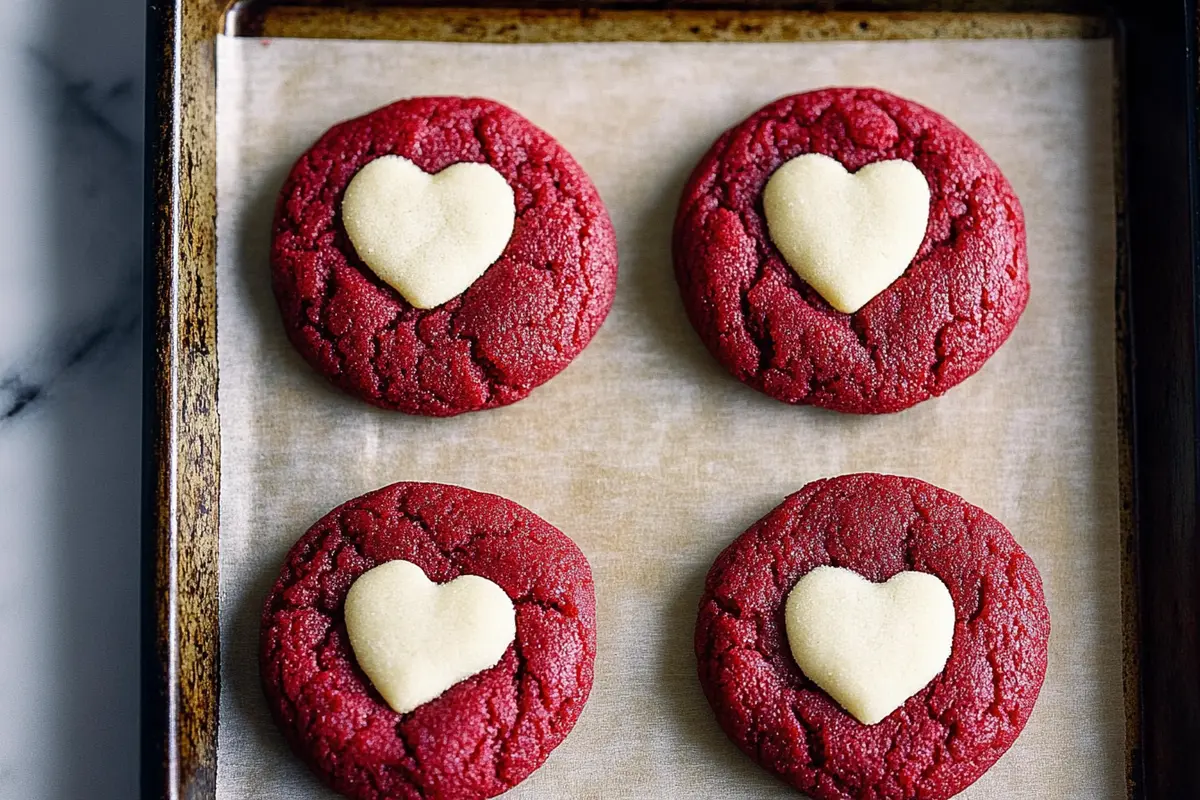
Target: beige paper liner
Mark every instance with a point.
(644, 450)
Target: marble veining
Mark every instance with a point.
(71, 143)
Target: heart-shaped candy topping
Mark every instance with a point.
(870, 646)
(849, 236)
(415, 638)
(428, 236)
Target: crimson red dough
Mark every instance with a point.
(935, 326)
(485, 734)
(516, 327)
(944, 737)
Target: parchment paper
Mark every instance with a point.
(644, 450)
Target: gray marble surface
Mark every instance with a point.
(71, 89)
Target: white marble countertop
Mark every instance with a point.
(71, 90)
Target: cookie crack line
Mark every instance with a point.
(484, 734)
(487, 347)
(947, 734)
(787, 342)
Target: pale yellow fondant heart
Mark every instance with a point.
(415, 638)
(849, 236)
(429, 236)
(870, 646)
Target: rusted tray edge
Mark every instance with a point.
(524, 25)
(181, 459)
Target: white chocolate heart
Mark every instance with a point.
(870, 646)
(415, 638)
(849, 236)
(428, 236)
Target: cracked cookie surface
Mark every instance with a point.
(485, 734)
(936, 325)
(945, 736)
(513, 329)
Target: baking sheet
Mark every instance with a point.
(644, 450)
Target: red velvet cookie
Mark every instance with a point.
(486, 733)
(531, 312)
(942, 738)
(934, 326)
